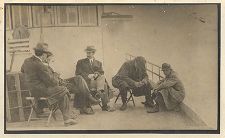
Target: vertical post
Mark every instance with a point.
(8, 113)
(152, 73)
(19, 96)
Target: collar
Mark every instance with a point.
(92, 59)
(38, 58)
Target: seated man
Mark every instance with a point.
(133, 75)
(90, 70)
(169, 92)
(75, 85)
(42, 82)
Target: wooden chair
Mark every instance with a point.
(130, 98)
(53, 108)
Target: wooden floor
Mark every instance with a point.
(134, 118)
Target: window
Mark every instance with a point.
(43, 15)
(37, 15)
(20, 16)
(67, 15)
(88, 16)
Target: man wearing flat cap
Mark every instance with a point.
(42, 82)
(169, 92)
(91, 71)
(133, 75)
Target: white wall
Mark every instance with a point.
(175, 36)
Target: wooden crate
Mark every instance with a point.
(17, 107)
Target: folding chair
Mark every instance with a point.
(131, 98)
(53, 108)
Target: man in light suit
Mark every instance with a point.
(92, 72)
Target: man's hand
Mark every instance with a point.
(91, 76)
(96, 75)
(154, 91)
(138, 84)
(145, 81)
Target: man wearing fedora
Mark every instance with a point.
(92, 72)
(42, 82)
(169, 92)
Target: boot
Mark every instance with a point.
(148, 101)
(87, 111)
(92, 100)
(123, 107)
(70, 122)
(108, 108)
(153, 109)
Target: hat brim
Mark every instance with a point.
(41, 50)
(165, 69)
(90, 50)
(49, 53)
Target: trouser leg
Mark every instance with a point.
(81, 98)
(104, 98)
(160, 102)
(85, 97)
(100, 82)
(123, 92)
(64, 107)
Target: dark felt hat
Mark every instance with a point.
(42, 47)
(90, 49)
(166, 66)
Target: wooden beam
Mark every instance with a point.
(8, 113)
(19, 97)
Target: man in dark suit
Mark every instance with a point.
(92, 72)
(43, 82)
(133, 75)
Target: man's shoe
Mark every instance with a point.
(87, 111)
(108, 108)
(123, 107)
(70, 122)
(153, 109)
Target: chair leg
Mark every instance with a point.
(117, 97)
(29, 119)
(100, 105)
(53, 115)
(54, 110)
(49, 117)
(133, 100)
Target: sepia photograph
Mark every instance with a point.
(112, 68)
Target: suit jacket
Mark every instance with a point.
(128, 74)
(41, 80)
(84, 68)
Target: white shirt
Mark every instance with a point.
(91, 60)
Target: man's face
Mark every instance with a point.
(167, 72)
(44, 57)
(49, 59)
(90, 54)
